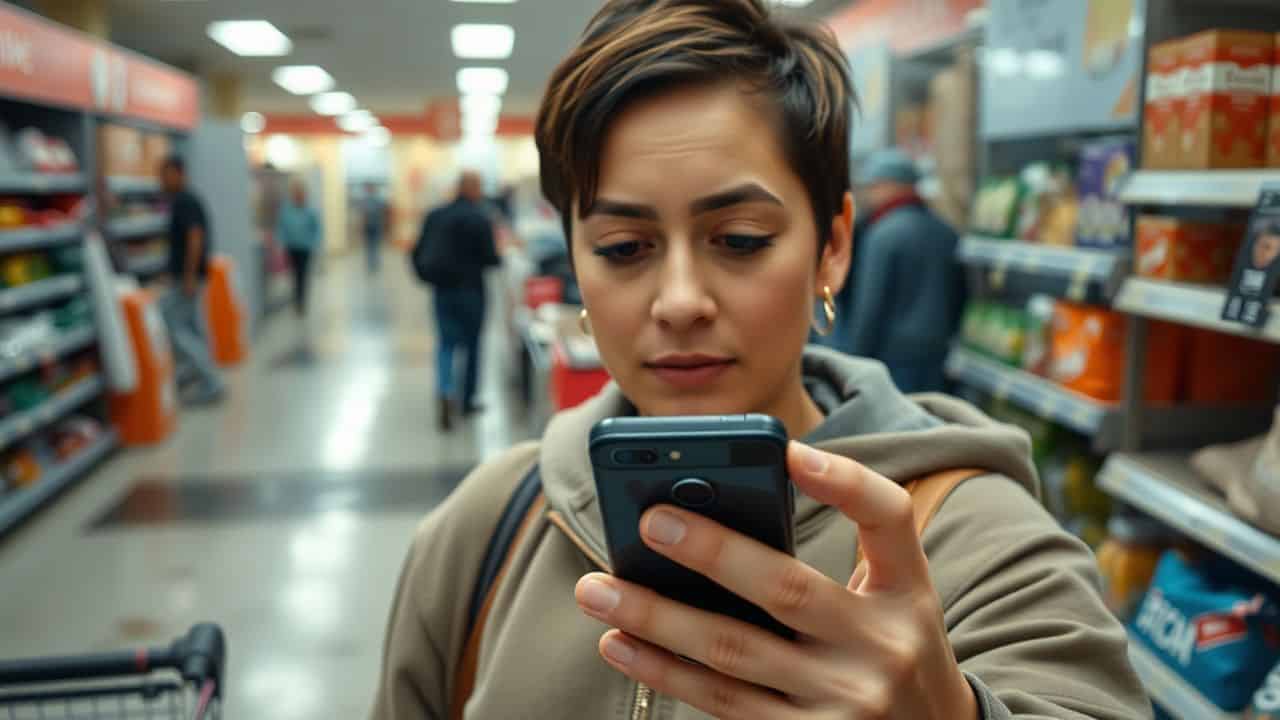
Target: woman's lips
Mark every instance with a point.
(690, 372)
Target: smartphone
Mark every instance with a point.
(730, 468)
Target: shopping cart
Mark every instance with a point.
(182, 681)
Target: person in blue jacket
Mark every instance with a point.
(907, 291)
(298, 228)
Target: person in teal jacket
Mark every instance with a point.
(299, 230)
(907, 290)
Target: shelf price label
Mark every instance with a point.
(997, 275)
(1004, 385)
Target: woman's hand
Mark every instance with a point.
(876, 648)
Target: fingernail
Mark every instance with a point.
(619, 650)
(599, 597)
(664, 528)
(813, 461)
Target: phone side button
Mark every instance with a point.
(694, 493)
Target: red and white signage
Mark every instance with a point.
(906, 25)
(46, 62)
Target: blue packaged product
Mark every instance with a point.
(1221, 637)
(1266, 701)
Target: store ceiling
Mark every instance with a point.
(393, 55)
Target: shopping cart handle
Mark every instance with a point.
(202, 653)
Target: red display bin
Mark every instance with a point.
(541, 290)
(225, 315)
(570, 385)
(148, 413)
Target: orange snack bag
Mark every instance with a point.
(1087, 354)
(1228, 85)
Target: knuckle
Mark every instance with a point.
(728, 651)
(899, 508)
(724, 699)
(877, 702)
(793, 590)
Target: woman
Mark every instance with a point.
(697, 150)
(298, 229)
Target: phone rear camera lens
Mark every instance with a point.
(635, 457)
(693, 493)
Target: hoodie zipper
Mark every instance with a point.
(643, 705)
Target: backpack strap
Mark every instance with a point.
(525, 504)
(927, 495)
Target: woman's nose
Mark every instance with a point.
(682, 300)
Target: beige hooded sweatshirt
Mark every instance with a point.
(1020, 596)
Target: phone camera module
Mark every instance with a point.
(635, 457)
(694, 493)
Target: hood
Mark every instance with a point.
(901, 437)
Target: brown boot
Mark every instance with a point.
(446, 415)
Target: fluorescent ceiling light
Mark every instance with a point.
(379, 136)
(482, 81)
(250, 38)
(487, 2)
(357, 121)
(483, 42)
(333, 103)
(485, 105)
(479, 125)
(302, 79)
(253, 122)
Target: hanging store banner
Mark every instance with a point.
(45, 62)
(1054, 67)
(904, 25)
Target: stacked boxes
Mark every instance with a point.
(1162, 115)
(1180, 250)
(1273, 147)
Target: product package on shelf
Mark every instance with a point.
(995, 329)
(42, 153)
(1229, 370)
(1127, 560)
(1213, 624)
(1228, 85)
(156, 147)
(995, 207)
(1273, 135)
(1049, 206)
(1038, 340)
(1182, 250)
(120, 151)
(1087, 354)
(1248, 473)
(1265, 704)
(1104, 220)
(1162, 115)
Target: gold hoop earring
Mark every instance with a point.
(584, 322)
(828, 309)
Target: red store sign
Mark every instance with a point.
(46, 62)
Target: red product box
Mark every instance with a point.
(1229, 370)
(1228, 87)
(1273, 146)
(1179, 250)
(1162, 114)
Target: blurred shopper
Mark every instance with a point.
(190, 237)
(376, 219)
(298, 228)
(455, 247)
(697, 151)
(908, 290)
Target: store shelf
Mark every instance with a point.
(41, 183)
(1035, 394)
(1201, 188)
(1196, 305)
(129, 185)
(69, 342)
(1071, 270)
(39, 292)
(18, 505)
(139, 225)
(1169, 690)
(20, 425)
(149, 264)
(1165, 486)
(38, 237)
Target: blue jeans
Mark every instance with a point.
(373, 250)
(459, 321)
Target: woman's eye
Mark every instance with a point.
(745, 244)
(622, 252)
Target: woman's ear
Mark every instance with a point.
(833, 270)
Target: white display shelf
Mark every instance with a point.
(32, 238)
(149, 264)
(1168, 688)
(1197, 305)
(17, 505)
(1034, 394)
(1079, 266)
(139, 225)
(39, 292)
(20, 425)
(1165, 486)
(64, 345)
(126, 184)
(1199, 188)
(41, 183)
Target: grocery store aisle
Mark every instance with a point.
(282, 514)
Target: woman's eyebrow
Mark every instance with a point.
(748, 192)
(620, 209)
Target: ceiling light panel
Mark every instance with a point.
(482, 81)
(483, 42)
(357, 121)
(333, 103)
(486, 2)
(250, 38)
(302, 79)
(484, 105)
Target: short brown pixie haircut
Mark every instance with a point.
(639, 48)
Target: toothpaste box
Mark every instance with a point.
(1227, 77)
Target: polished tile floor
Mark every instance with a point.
(282, 514)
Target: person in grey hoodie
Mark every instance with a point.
(906, 291)
(697, 150)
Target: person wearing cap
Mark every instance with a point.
(907, 291)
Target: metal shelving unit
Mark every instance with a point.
(1194, 305)
(129, 185)
(149, 264)
(138, 226)
(37, 238)
(40, 292)
(1201, 188)
(20, 425)
(18, 505)
(66, 344)
(1169, 690)
(42, 183)
(1072, 272)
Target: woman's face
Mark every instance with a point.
(699, 261)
